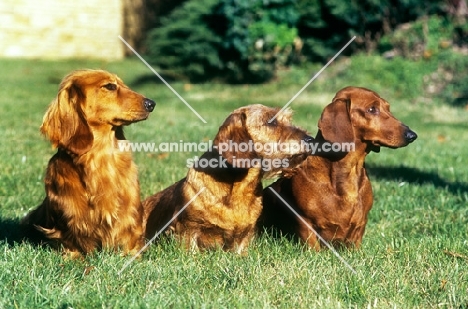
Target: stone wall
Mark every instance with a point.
(61, 29)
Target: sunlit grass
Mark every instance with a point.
(414, 254)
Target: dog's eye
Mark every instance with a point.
(373, 110)
(110, 86)
(273, 123)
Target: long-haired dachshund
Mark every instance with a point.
(331, 191)
(92, 191)
(229, 176)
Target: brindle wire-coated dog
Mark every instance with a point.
(224, 215)
(332, 192)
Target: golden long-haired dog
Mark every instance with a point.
(92, 191)
(229, 178)
(331, 191)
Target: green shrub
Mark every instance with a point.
(185, 47)
(422, 38)
(325, 26)
(450, 82)
(259, 37)
(432, 38)
(237, 40)
(249, 40)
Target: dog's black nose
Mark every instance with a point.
(308, 139)
(149, 104)
(410, 136)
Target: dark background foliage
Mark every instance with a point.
(249, 41)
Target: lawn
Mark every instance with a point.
(414, 253)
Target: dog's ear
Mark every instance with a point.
(335, 122)
(232, 140)
(64, 122)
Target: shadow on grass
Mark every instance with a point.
(10, 231)
(13, 233)
(414, 176)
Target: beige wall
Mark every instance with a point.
(61, 28)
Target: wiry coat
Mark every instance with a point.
(225, 212)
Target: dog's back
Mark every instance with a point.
(159, 209)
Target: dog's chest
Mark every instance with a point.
(111, 187)
(229, 212)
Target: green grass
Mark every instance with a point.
(415, 250)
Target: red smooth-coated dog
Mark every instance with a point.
(332, 192)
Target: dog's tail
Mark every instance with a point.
(33, 227)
